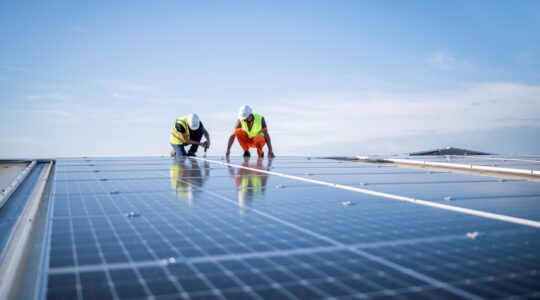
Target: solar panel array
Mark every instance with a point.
(154, 227)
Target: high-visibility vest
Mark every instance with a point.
(256, 128)
(253, 182)
(182, 189)
(176, 137)
(176, 173)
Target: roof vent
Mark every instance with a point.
(449, 151)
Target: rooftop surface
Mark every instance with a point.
(291, 227)
(8, 172)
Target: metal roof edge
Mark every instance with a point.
(476, 169)
(4, 196)
(17, 248)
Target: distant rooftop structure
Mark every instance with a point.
(449, 151)
(287, 228)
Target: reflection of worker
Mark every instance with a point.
(250, 183)
(188, 130)
(251, 132)
(187, 177)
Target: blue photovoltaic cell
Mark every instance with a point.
(141, 227)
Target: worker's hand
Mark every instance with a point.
(271, 154)
(207, 144)
(228, 153)
(204, 144)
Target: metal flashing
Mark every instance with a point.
(17, 247)
(6, 193)
(477, 169)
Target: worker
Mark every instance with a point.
(188, 177)
(188, 130)
(250, 183)
(251, 132)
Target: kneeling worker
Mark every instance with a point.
(188, 130)
(251, 131)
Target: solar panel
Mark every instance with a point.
(197, 228)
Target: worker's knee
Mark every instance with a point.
(239, 132)
(259, 140)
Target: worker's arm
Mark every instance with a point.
(207, 136)
(269, 143)
(206, 169)
(186, 140)
(267, 138)
(269, 165)
(229, 145)
(232, 138)
(231, 170)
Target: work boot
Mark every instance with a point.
(247, 154)
(192, 154)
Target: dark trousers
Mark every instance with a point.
(194, 135)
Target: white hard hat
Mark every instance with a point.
(244, 112)
(193, 121)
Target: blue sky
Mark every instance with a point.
(108, 78)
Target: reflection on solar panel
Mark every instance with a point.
(284, 228)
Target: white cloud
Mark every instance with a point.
(48, 97)
(527, 57)
(54, 113)
(328, 123)
(78, 29)
(123, 86)
(121, 96)
(14, 68)
(16, 140)
(143, 94)
(341, 118)
(446, 60)
(149, 99)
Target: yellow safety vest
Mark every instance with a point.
(181, 188)
(256, 128)
(253, 182)
(176, 173)
(176, 137)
